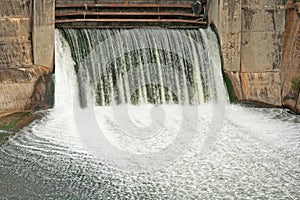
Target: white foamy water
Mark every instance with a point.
(252, 153)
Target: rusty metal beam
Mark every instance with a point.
(120, 5)
(64, 14)
(131, 20)
(129, 27)
(124, 15)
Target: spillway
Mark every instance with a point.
(136, 66)
(143, 114)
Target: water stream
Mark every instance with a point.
(143, 114)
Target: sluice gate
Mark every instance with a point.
(130, 14)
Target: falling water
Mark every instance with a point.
(143, 114)
(145, 66)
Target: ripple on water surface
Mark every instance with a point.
(256, 155)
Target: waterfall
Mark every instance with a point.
(148, 151)
(137, 66)
(65, 78)
(120, 76)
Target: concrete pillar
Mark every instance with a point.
(43, 34)
(251, 34)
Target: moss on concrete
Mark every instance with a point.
(16, 121)
(229, 87)
(12, 123)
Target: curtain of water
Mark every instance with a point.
(146, 66)
(255, 157)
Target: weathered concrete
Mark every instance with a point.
(252, 34)
(291, 58)
(15, 34)
(21, 88)
(23, 85)
(227, 16)
(16, 8)
(259, 87)
(262, 36)
(43, 32)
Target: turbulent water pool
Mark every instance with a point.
(255, 156)
(155, 124)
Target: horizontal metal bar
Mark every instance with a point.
(129, 27)
(131, 20)
(63, 14)
(122, 5)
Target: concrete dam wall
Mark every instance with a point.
(257, 37)
(23, 77)
(259, 45)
